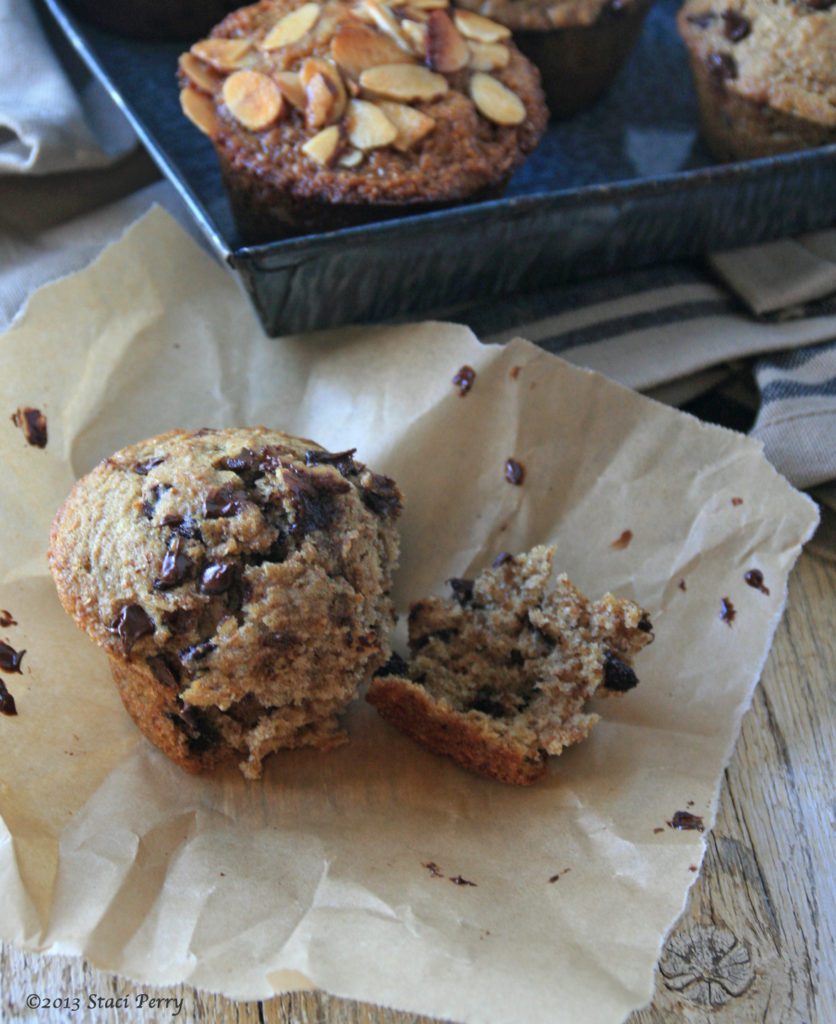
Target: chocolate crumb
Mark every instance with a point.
(462, 590)
(6, 619)
(622, 541)
(7, 701)
(656, 830)
(727, 611)
(692, 867)
(463, 380)
(502, 559)
(618, 675)
(514, 472)
(754, 577)
(736, 26)
(433, 868)
(33, 424)
(515, 372)
(685, 821)
(458, 880)
(554, 878)
(131, 624)
(381, 496)
(682, 585)
(690, 803)
(143, 468)
(10, 659)
(737, 501)
(721, 67)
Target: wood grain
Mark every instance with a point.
(758, 939)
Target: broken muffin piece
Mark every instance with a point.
(238, 581)
(499, 674)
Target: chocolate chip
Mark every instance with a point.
(7, 701)
(176, 568)
(644, 624)
(343, 461)
(721, 67)
(143, 468)
(618, 675)
(727, 611)
(184, 524)
(736, 26)
(247, 464)
(464, 379)
(701, 20)
(197, 652)
(313, 497)
(33, 424)
(195, 724)
(131, 624)
(514, 472)
(686, 821)
(382, 496)
(502, 559)
(462, 590)
(218, 578)
(395, 666)
(486, 702)
(223, 502)
(10, 659)
(164, 669)
(178, 620)
(754, 577)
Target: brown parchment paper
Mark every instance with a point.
(314, 876)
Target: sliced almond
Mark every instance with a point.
(200, 110)
(404, 82)
(356, 48)
(482, 30)
(198, 74)
(223, 54)
(321, 104)
(446, 49)
(388, 23)
(253, 99)
(495, 101)
(368, 127)
(351, 158)
(416, 32)
(316, 66)
(290, 86)
(322, 148)
(292, 27)
(489, 56)
(412, 125)
(429, 5)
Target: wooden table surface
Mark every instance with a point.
(756, 942)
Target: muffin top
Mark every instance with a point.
(778, 52)
(365, 102)
(212, 555)
(544, 15)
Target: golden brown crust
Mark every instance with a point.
(435, 725)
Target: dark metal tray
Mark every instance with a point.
(625, 184)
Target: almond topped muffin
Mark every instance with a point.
(330, 114)
(765, 73)
(578, 45)
(238, 581)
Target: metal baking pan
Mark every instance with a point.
(625, 184)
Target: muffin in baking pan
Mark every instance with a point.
(765, 74)
(238, 581)
(578, 45)
(334, 114)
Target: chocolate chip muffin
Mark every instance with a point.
(765, 74)
(578, 45)
(238, 581)
(499, 674)
(326, 115)
(154, 19)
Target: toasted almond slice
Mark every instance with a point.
(405, 82)
(489, 56)
(362, 13)
(253, 99)
(317, 66)
(446, 49)
(321, 104)
(388, 23)
(482, 30)
(368, 127)
(356, 48)
(290, 86)
(495, 101)
(322, 148)
(429, 5)
(198, 74)
(416, 32)
(351, 158)
(292, 27)
(223, 54)
(412, 125)
(200, 110)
